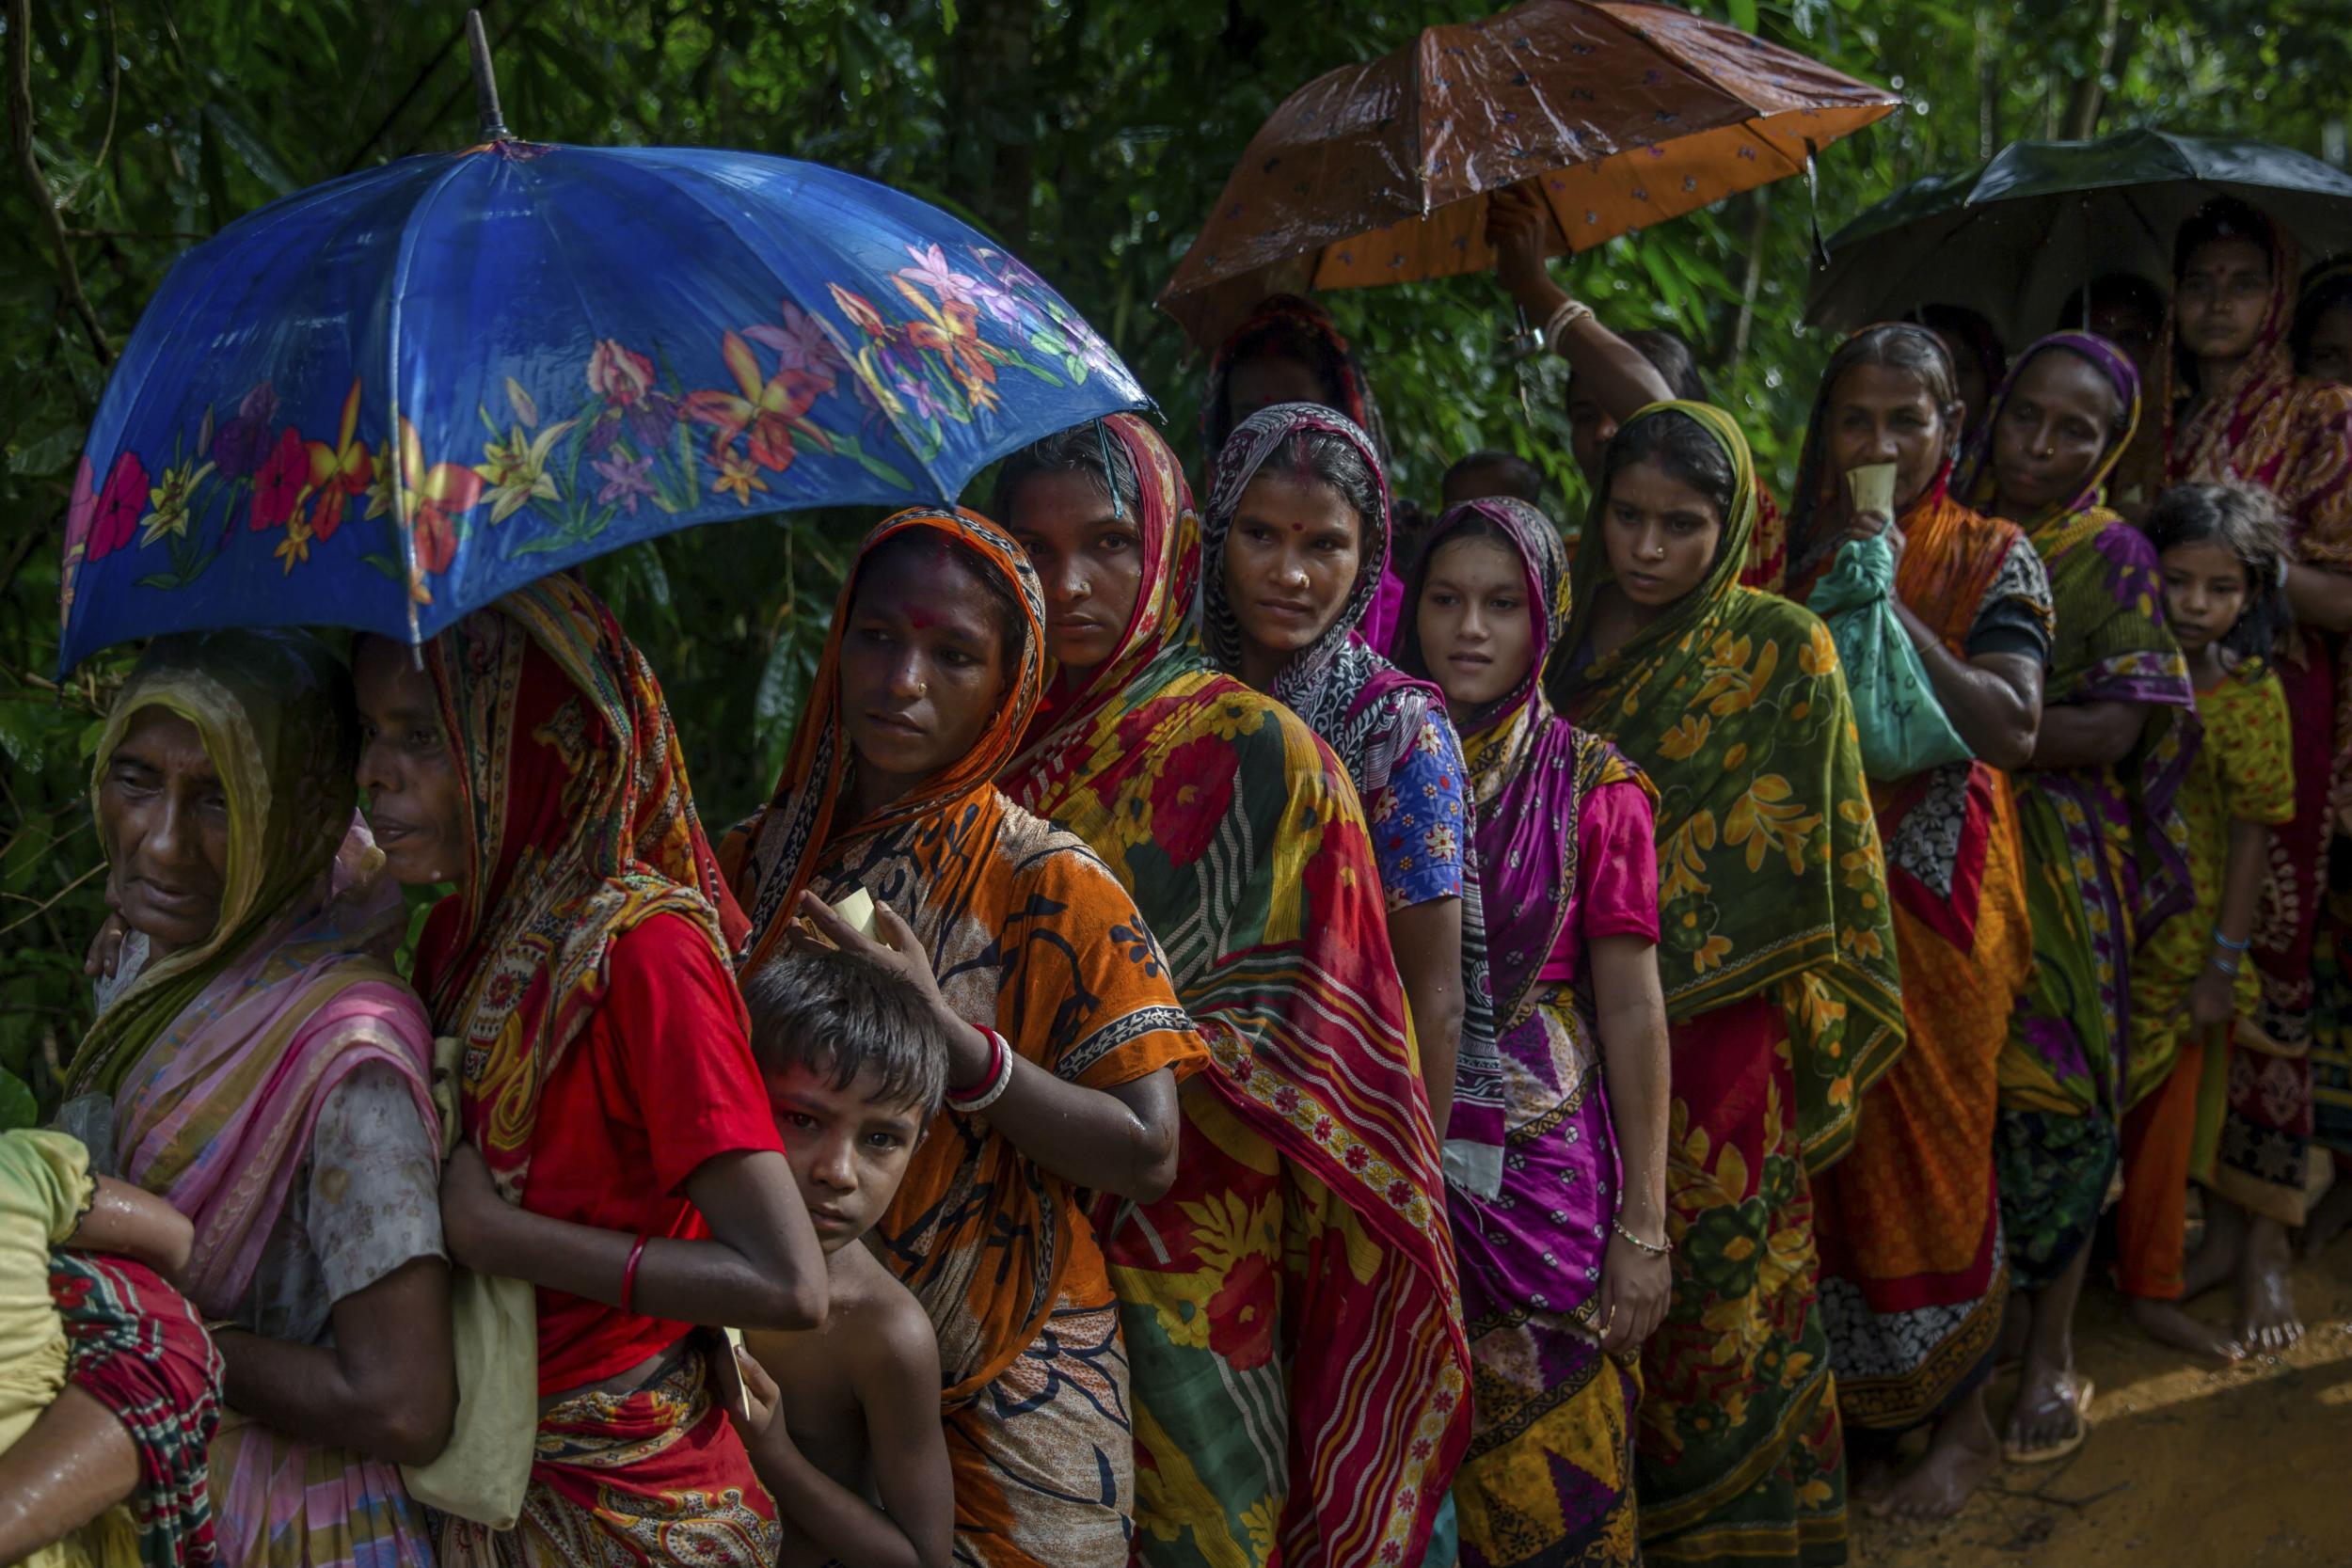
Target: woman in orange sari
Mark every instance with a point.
(1071, 1040)
(2234, 408)
(1912, 1266)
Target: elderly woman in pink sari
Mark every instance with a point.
(257, 1062)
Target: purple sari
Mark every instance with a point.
(1369, 713)
(1552, 1423)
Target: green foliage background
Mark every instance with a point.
(1088, 135)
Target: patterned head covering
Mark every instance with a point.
(1289, 322)
(1363, 705)
(274, 709)
(1169, 530)
(1542, 554)
(583, 827)
(772, 857)
(1973, 480)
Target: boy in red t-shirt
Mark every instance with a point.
(843, 1422)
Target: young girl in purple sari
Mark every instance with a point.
(1564, 1269)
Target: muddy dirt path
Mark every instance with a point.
(2250, 1466)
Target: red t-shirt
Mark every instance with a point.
(1617, 891)
(661, 1081)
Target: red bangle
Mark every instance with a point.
(628, 1274)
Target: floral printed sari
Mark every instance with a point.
(1549, 1478)
(1028, 932)
(2292, 436)
(583, 828)
(220, 1057)
(1777, 957)
(1299, 1275)
(2106, 849)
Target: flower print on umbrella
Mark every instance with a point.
(624, 379)
(341, 471)
(802, 344)
(517, 468)
(933, 272)
(244, 442)
(738, 476)
(431, 498)
(861, 311)
(169, 500)
(284, 483)
(627, 479)
(769, 411)
(120, 506)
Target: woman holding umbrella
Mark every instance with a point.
(1777, 959)
(1910, 1261)
(1233, 828)
(2235, 407)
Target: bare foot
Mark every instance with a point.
(1872, 1465)
(2048, 1414)
(2216, 1257)
(2165, 1323)
(1962, 1457)
(2266, 1320)
(2327, 1221)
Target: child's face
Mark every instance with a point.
(847, 1149)
(2206, 591)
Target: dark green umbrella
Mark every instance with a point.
(2017, 236)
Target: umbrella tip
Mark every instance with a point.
(485, 81)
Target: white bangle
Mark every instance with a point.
(1570, 312)
(972, 1104)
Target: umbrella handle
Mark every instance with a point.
(485, 81)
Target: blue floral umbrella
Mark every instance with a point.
(387, 400)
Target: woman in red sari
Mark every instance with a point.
(618, 1151)
(1233, 828)
(2234, 408)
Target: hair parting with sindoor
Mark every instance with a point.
(929, 548)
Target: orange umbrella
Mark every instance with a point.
(1623, 114)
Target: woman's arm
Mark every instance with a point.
(2320, 597)
(1993, 700)
(761, 1268)
(1427, 941)
(1631, 1012)
(2213, 995)
(136, 1224)
(1605, 367)
(387, 1386)
(1120, 1140)
(73, 1462)
(897, 1384)
(2089, 735)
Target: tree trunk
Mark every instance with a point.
(991, 99)
(2090, 93)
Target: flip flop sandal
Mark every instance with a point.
(2059, 1450)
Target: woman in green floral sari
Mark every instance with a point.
(1777, 954)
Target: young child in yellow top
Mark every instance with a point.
(2194, 981)
(844, 1425)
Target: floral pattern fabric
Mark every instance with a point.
(1300, 1272)
(1420, 826)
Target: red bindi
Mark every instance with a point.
(919, 618)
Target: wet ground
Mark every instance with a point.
(2249, 1466)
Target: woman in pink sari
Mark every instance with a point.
(258, 1062)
